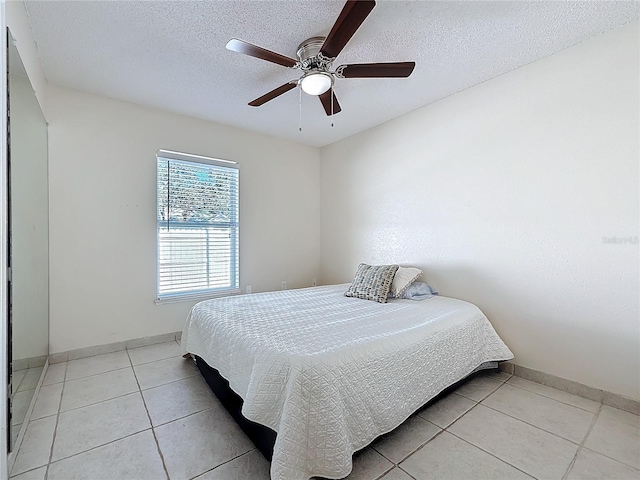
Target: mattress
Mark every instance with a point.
(330, 373)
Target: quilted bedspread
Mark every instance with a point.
(330, 373)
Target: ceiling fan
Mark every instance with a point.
(316, 55)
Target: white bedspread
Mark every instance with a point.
(329, 373)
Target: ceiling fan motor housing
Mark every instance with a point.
(310, 57)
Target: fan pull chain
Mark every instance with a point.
(300, 102)
(331, 105)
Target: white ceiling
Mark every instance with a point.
(172, 55)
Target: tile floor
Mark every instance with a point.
(23, 385)
(146, 413)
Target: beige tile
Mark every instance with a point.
(200, 442)
(47, 402)
(564, 420)
(37, 474)
(498, 376)
(447, 410)
(507, 367)
(92, 426)
(15, 431)
(36, 445)
(554, 393)
(559, 383)
(164, 371)
(55, 374)
(527, 448)
(623, 403)
(31, 379)
(593, 466)
(368, 465)
(97, 388)
(135, 457)
(16, 379)
(446, 457)
(19, 406)
(98, 364)
(58, 357)
(152, 353)
(616, 434)
(250, 466)
(397, 474)
(38, 361)
(179, 399)
(405, 439)
(478, 388)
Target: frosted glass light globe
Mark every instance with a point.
(316, 83)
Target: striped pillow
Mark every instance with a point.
(372, 282)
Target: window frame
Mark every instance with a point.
(235, 245)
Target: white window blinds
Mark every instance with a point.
(197, 225)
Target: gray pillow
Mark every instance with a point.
(372, 282)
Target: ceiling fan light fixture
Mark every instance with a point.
(316, 83)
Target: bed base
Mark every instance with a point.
(263, 437)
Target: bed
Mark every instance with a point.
(329, 373)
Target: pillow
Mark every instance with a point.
(404, 277)
(372, 282)
(419, 289)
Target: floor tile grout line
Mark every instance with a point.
(440, 430)
(126, 350)
(224, 463)
(532, 425)
(155, 360)
(131, 365)
(99, 446)
(555, 399)
(153, 433)
(381, 476)
(431, 439)
(493, 455)
(407, 473)
(96, 374)
(182, 417)
(581, 445)
(483, 398)
(120, 396)
(55, 429)
(611, 458)
(169, 383)
(101, 401)
(476, 446)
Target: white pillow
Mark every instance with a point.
(403, 278)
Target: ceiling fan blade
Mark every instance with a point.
(377, 70)
(325, 98)
(241, 46)
(272, 94)
(353, 14)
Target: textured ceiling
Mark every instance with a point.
(172, 55)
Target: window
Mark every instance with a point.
(197, 226)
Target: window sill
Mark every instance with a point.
(196, 298)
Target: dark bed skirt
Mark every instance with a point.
(263, 437)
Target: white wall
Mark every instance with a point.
(503, 194)
(102, 171)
